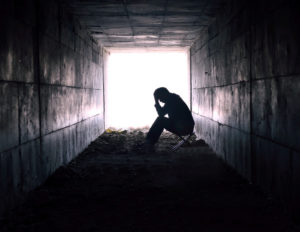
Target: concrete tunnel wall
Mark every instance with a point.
(51, 88)
(245, 71)
(244, 79)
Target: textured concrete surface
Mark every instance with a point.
(10, 173)
(114, 186)
(29, 112)
(16, 60)
(245, 90)
(145, 23)
(276, 112)
(9, 116)
(245, 82)
(50, 109)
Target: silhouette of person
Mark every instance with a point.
(180, 120)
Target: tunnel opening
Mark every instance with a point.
(132, 75)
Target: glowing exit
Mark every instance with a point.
(131, 78)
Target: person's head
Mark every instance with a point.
(162, 94)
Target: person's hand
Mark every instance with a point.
(156, 100)
(158, 108)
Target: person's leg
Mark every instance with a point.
(157, 128)
(179, 128)
(185, 128)
(161, 123)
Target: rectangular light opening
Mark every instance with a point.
(132, 75)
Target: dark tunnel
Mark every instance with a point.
(244, 81)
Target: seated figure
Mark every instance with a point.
(179, 121)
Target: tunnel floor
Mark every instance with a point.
(114, 186)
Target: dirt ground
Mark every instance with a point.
(113, 185)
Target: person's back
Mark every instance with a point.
(177, 109)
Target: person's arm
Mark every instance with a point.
(161, 111)
(156, 100)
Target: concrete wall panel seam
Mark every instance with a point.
(43, 90)
(62, 128)
(251, 116)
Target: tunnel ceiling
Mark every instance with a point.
(145, 23)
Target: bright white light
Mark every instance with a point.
(132, 77)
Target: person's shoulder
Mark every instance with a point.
(175, 96)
